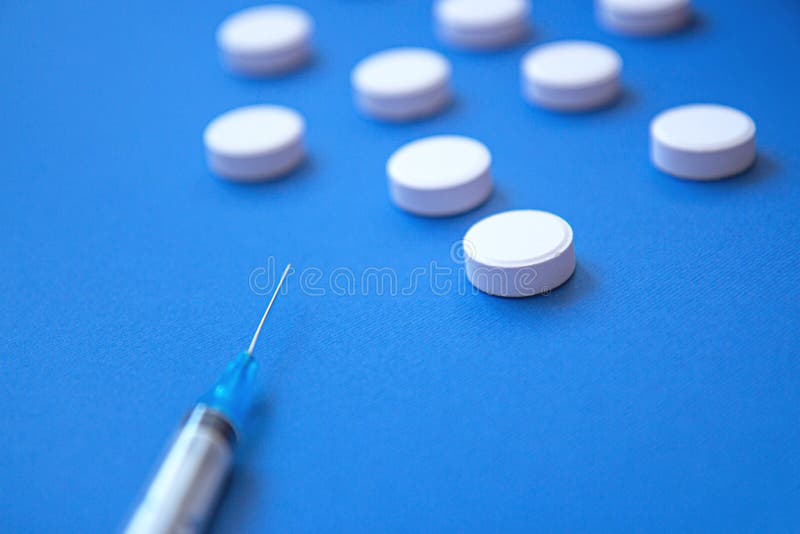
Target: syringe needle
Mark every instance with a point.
(186, 486)
(249, 351)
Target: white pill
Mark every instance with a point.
(255, 143)
(643, 17)
(265, 40)
(519, 253)
(402, 84)
(440, 175)
(482, 24)
(571, 75)
(702, 141)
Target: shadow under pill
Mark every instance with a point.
(765, 167)
(490, 55)
(300, 173)
(580, 286)
(290, 75)
(697, 25)
(452, 107)
(625, 101)
(498, 201)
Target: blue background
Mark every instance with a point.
(657, 390)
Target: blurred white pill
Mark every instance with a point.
(402, 84)
(482, 24)
(643, 17)
(519, 253)
(440, 175)
(255, 143)
(571, 75)
(702, 141)
(265, 40)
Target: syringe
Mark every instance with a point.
(186, 486)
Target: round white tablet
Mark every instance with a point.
(702, 141)
(440, 175)
(265, 40)
(643, 17)
(571, 75)
(482, 24)
(402, 84)
(519, 253)
(255, 143)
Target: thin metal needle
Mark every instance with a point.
(269, 307)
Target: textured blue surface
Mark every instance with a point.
(657, 390)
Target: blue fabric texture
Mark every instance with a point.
(656, 391)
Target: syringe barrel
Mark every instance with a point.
(184, 491)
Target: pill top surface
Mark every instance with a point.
(644, 7)
(517, 238)
(703, 127)
(571, 64)
(439, 162)
(264, 30)
(479, 14)
(401, 72)
(254, 130)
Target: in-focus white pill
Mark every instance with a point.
(643, 17)
(571, 75)
(255, 143)
(265, 40)
(702, 141)
(402, 84)
(440, 175)
(519, 253)
(482, 24)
